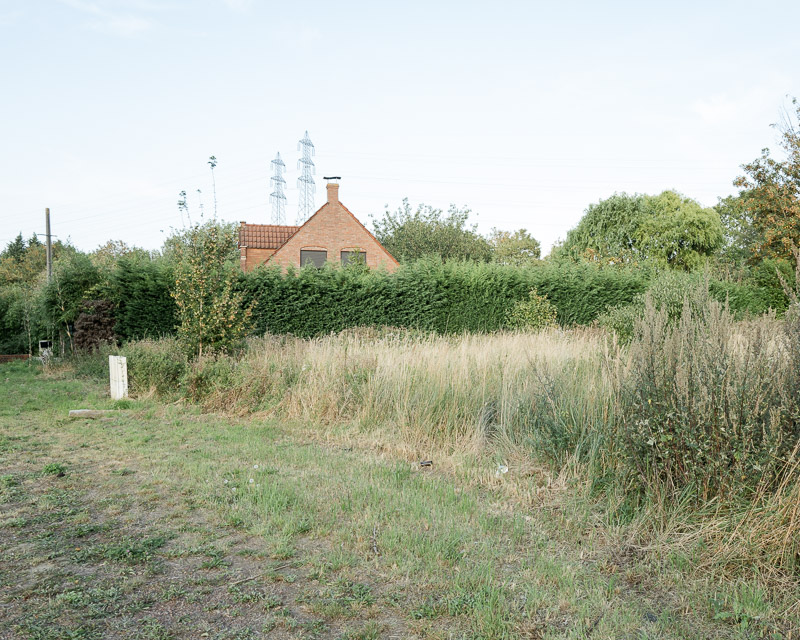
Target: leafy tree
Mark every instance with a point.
(32, 263)
(667, 229)
(411, 234)
(140, 288)
(517, 248)
(211, 313)
(771, 192)
(107, 255)
(677, 231)
(75, 279)
(740, 235)
(608, 229)
(533, 313)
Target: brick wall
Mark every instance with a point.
(254, 257)
(16, 356)
(334, 229)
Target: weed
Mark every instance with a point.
(54, 469)
(7, 481)
(132, 551)
(370, 631)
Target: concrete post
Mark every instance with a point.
(118, 369)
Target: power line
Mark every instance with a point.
(305, 182)
(277, 197)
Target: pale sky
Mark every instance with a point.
(526, 112)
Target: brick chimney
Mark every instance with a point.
(333, 191)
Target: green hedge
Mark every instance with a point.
(449, 297)
(140, 289)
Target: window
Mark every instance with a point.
(359, 257)
(317, 258)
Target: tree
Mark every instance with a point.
(141, 286)
(608, 229)
(740, 235)
(677, 231)
(411, 234)
(32, 263)
(667, 229)
(771, 192)
(75, 279)
(211, 313)
(517, 248)
(14, 249)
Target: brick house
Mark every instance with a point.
(332, 234)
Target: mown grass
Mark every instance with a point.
(349, 538)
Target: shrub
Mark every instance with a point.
(94, 325)
(533, 313)
(668, 291)
(429, 295)
(211, 313)
(140, 288)
(158, 365)
(710, 403)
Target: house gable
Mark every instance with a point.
(257, 242)
(333, 228)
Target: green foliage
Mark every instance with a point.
(21, 320)
(764, 276)
(669, 291)
(518, 248)
(608, 228)
(668, 229)
(158, 365)
(770, 193)
(54, 469)
(74, 280)
(211, 314)
(709, 404)
(14, 249)
(678, 232)
(141, 289)
(20, 264)
(427, 232)
(533, 313)
(741, 238)
(430, 295)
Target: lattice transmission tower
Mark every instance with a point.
(305, 182)
(277, 197)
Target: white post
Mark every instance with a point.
(118, 368)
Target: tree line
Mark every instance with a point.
(452, 278)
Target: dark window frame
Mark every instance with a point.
(344, 256)
(315, 257)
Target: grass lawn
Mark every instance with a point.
(161, 522)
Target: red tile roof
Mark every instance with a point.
(265, 236)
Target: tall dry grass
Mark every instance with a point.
(687, 435)
(458, 392)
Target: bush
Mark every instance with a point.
(140, 289)
(94, 325)
(428, 295)
(534, 313)
(158, 365)
(710, 403)
(668, 291)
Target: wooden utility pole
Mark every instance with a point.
(49, 245)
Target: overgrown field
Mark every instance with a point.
(680, 447)
(165, 522)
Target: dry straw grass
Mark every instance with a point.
(686, 438)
